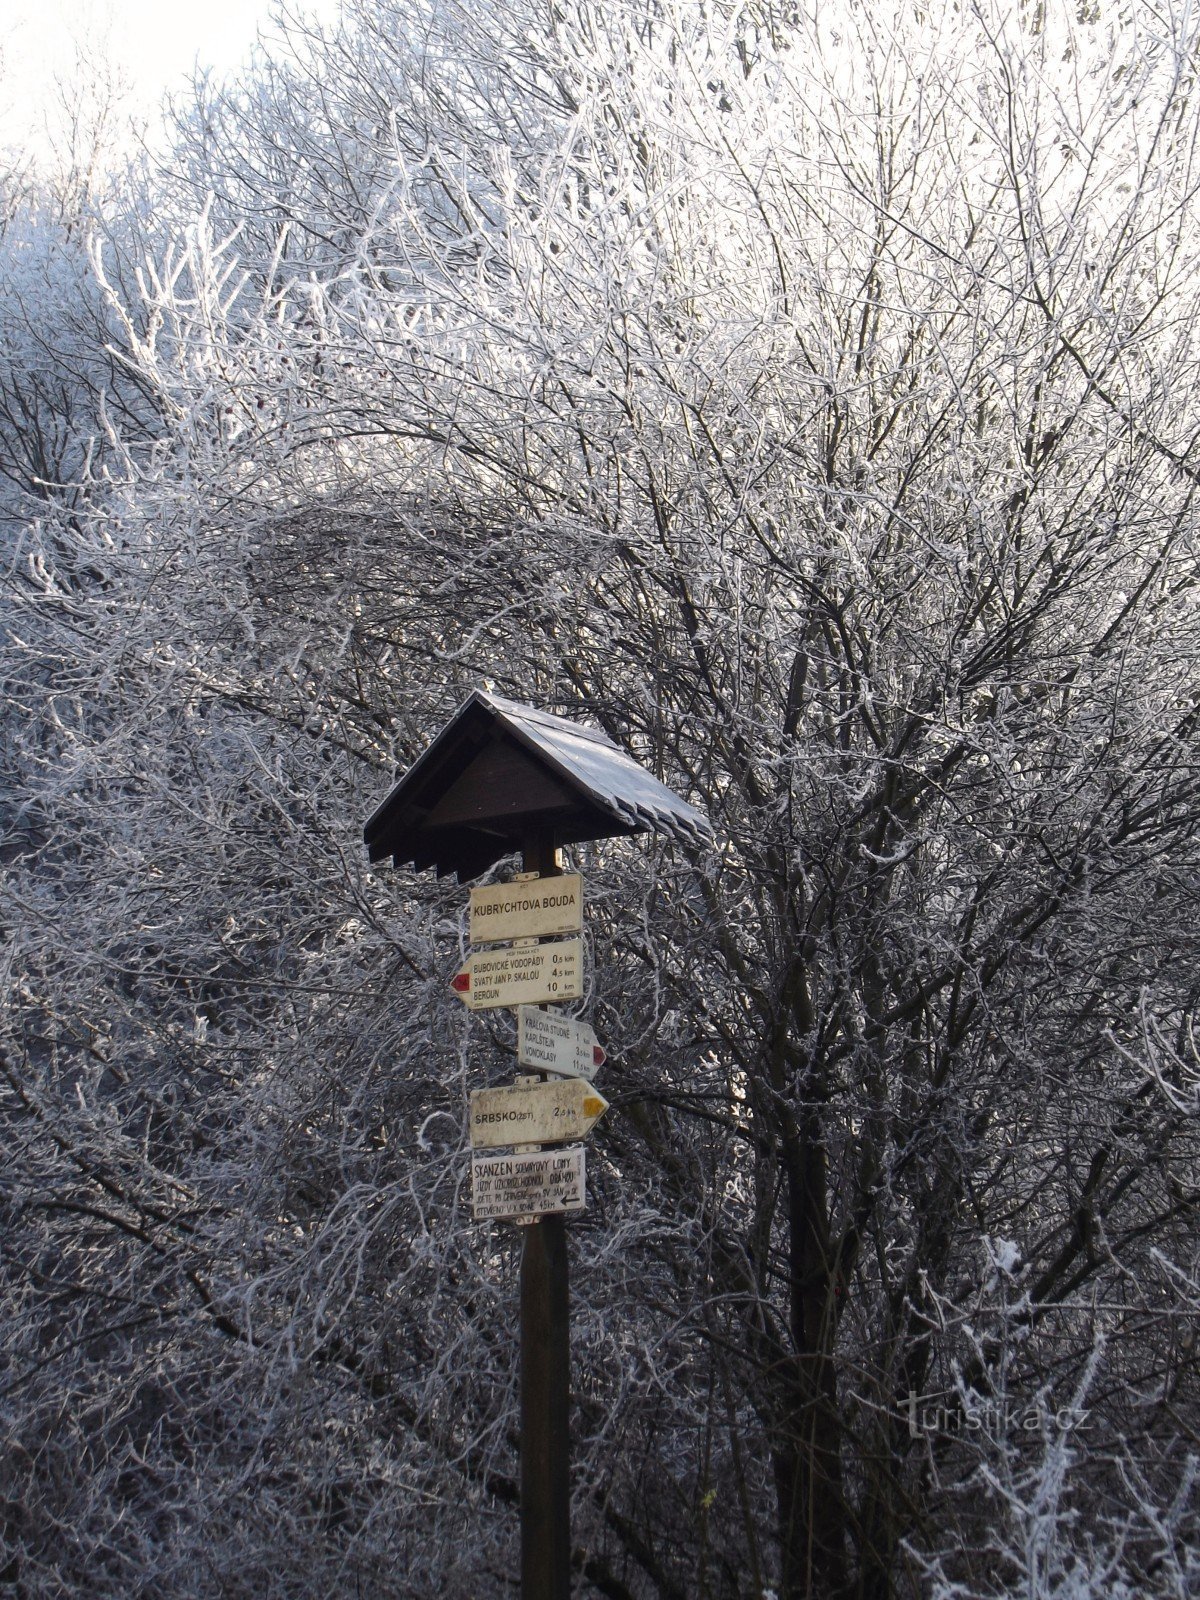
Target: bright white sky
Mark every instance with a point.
(152, 43)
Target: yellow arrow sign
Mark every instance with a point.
(534, 1113)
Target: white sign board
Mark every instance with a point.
(535, 909)
(527, 1185)
(521, 975)
(534, 1113)
(557, 1044)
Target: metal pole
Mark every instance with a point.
(545, 1378)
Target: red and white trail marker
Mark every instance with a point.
(557, 1044)
(521, 975)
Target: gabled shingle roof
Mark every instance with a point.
(499, 770)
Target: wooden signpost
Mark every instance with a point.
(501, 777)
(546, 1371)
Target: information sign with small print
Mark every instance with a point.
(522, 975)
(527, 1185)
(557, 1044)
(534, 1113)
(535, 909)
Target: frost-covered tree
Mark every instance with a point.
(807, 399)
(64, 385)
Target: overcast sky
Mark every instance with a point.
(153, 43)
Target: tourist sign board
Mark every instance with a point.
(534, 1113)
(557, 1044)
(528, 1185)
(533, 908)
(521, 975)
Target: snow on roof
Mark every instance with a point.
(610, 777)
(446, 811)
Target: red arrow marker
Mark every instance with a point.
(599, 1055)
(461, 983)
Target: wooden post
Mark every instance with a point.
(487, 783)
(545, 1378)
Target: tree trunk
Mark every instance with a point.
(808, 1468)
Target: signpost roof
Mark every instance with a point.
(499, 769)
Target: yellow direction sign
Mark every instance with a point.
(534, 1113)
(534, 909)
(528, 1185)
(523, 975)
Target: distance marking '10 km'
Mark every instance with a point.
(526, 975)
